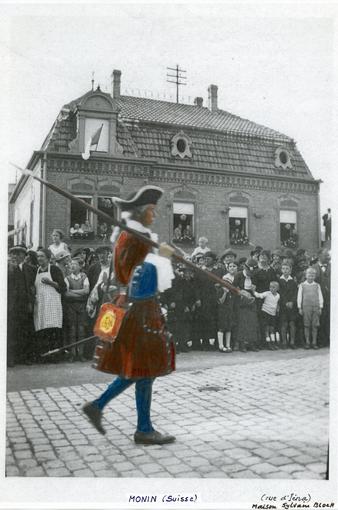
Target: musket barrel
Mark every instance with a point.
(122, 226)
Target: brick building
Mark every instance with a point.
(227, 178)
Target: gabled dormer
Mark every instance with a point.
(95, 110)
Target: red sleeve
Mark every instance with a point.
(129, 252)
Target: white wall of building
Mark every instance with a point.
(23, 209)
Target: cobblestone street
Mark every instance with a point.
(266, 419)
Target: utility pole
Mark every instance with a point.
(179, 78)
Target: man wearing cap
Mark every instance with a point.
(142, 350)
(228, 256)
(21, 277)
(98, 268)
(63, 261)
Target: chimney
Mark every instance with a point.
(116, 83)
(198, 101)
(212, 94)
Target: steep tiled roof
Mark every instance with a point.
(219, 140)
(220, 151)
(151, 110)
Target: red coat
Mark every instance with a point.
(143, 346)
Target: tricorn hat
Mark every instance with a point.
(146, 195)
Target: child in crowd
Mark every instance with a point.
(225, 309)
(270, 308)
(202, 247)
(288, 306)
(310, 304)
(76, 297)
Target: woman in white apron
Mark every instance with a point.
(49, 287)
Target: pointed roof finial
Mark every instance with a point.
(93, 74)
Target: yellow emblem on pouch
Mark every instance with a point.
(107, 321)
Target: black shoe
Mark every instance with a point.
(153, 438)
(94, 415)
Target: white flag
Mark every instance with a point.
(93, 141)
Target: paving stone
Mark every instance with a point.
(151, 468)
(317, 467)
(215, 474)
(69, 455)
(277, 475)
(35, 471)
(264, 452)
(93, 458)
(12, 471)
(95, 466)
(59, 443)
(279, 461)
(74, 465)
(188, 474)
(197, 461)
(56, 463)
(250, 460)
(236, 453)
(123, 466)
(58, 472)
(108, 473)
(45, 455)
(27, 463)
(169, 461)
(177, 468)
(244, 474)
(24, 454)
(262, 468)
(304, 459)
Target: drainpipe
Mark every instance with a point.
(43, 192)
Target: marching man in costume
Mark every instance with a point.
(142, 349)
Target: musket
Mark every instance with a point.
(65, 347)
(123, 226)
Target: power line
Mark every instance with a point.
(179, 78)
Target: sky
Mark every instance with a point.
(273, 66)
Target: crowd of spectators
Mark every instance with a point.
(284, 301)
(54, 296)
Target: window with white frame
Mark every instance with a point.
(99, 137)
(184, 213)
(81, 220)
(288, 228)
(238, 225)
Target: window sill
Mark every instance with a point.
(239, 243)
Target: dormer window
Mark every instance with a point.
(282, 158)
(92, 128)
(180, 145)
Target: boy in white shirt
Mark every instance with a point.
(310, 304)
(270, 308)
